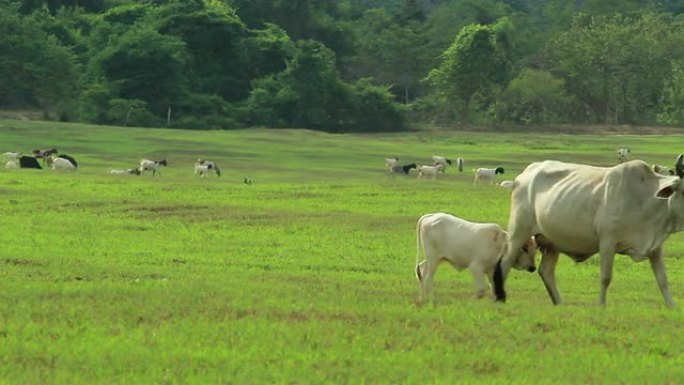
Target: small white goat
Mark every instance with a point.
(391, 162)
(623, 154)
(203, 167)
(506, 184)
(487, 174)
(459, 164)
(429, 171)
(146, 164)
(11, 156)
(62, 164)
(440, 160)
(129, 171)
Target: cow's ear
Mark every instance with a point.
(666, 190)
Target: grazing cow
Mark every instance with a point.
(465, 245)
(662, 170)
(130, 171)
(429, 171)
(623, 154)
(403, 169)
(581, 210)
(487, 174)
(459, 164)
(26, 161)
(154, 165)
(203, 167)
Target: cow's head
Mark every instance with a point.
(525, 258)
(671, 188)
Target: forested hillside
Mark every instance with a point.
(344, 65)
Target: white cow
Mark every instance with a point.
(487, 174)
(429, 171)
(465, 245)
(623, 154)
(11, 164)
(581, 210)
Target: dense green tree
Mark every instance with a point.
(616, 66)
(672, 103)
(34, 68)
(392, 50)
(215, 38)
(534, 97)
(309, 93)
(473, 64)
(144, 65)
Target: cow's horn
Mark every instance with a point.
(679, 166)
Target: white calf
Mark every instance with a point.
(465, 245)
(487, 174)
(429, 171)
(11, 164)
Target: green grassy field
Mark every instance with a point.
(307, 275)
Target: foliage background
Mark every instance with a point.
(344, 66)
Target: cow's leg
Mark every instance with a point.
(607, 252)
(480, 279)
(547, 271)
(427, 270)
(520, 231)
(658, 266)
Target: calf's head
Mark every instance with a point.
(525, 258)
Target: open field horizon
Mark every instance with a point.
(305, 276)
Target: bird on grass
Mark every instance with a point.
(247, 181)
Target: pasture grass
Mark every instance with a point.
(305, 276)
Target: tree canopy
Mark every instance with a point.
(344, 65)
